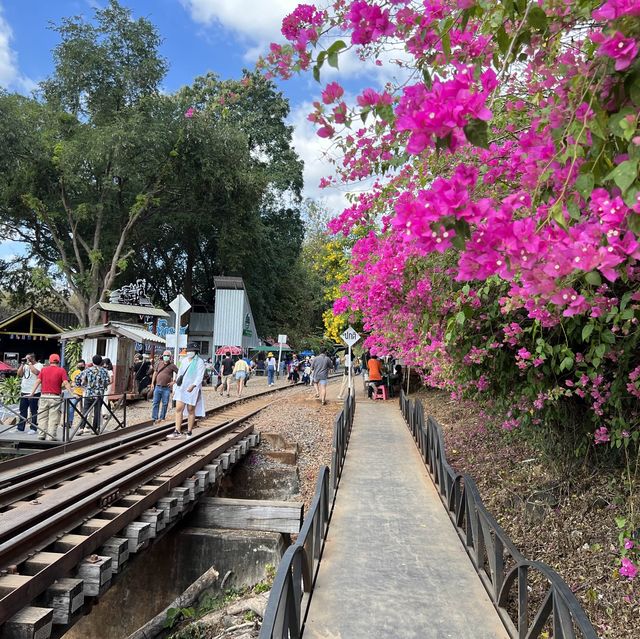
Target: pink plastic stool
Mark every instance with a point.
(380, 392)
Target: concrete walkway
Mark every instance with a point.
(393, 566)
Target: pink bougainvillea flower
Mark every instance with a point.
(628, 544)
(628, 569)
(368, 22)
(614, 9)
(190, 112)
(622, 50)
(602, 435)
(326, 131)
(332, 92)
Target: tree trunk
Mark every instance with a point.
(188, 278)
(156, 625)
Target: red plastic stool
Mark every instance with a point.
(380, 392)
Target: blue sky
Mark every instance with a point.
(222, 36)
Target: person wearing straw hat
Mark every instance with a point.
(271, 369)
(188, 391)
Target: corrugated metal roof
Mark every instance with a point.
(235, 283)
(111, 329)
(131, 310)
(137, 333)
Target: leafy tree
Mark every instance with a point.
(230, 206)
(86, 162)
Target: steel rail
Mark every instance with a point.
(35, 480)
(73, 459)
(89, 488)
(48, 530)
(63, 448)
(502, 569)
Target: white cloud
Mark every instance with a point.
(316, 153)
(257, 20)
(10, 76)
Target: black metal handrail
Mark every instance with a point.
(284, 616)
(503, 570)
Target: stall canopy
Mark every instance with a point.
(234, 350)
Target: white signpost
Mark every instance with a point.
(282, 339)
(179, 306)
(350, 337)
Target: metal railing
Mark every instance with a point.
(529, 596)
(286, 610)
(92, 413)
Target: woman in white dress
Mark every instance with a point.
(188, 392)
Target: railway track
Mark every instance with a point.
(74, 508)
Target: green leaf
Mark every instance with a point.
(600, 349)
(426, 76)
(557, 214)
(476, 132)
(503, 40)
(608, 337)
(625, 174)
(446, 44)
(593, 278)
(316, 73)
(634, 90)
(538, 18)
(585, 184)
(460, 318)
(574, 209)
(337, 46)
(566, 363)
(332, 58)
(458, 242)
(586, 332)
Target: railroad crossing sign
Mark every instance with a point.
(350, 336)
(179, 305)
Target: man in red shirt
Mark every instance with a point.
(52, 378)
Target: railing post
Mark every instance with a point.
(65, 419)
(523, 602)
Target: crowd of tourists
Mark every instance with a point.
(87, 389)
(44, 389)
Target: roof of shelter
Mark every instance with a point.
(131, 310)
(115, 329)
(222, 281)
(5, 324)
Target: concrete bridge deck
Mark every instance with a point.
(393, 565)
